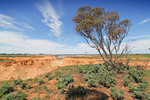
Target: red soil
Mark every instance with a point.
(30, 67)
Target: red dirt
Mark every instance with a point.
(30, 67)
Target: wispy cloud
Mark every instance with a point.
(51, 18)
(27, 26)
(144, 21)
(8, 22)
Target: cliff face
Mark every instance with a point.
(30, 67)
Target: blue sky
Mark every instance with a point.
(46, 26)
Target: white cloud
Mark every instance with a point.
(27, 26)
(144, 21)
(141, 46)
(16, 42)
(8, 22)
(141, 36)
(51, 18)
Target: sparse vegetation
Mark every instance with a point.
(116, 95)
(17, 82)
(23, 85)
(29, 86)
(75, 92)
(5, 89)
(17, 96)
(40, 81)
(93, 77)
(36, 98)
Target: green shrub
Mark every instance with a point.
(86, 78)
(50, 77)
(80, 70)
(136, 74)
(5, 89)
(105, 77)
(101, 74)
(115, 94)
(35, 79)
(70, 78)
(17, 82)
(36, 98)
(48, 74)
(40, 81)
(58, 86)
(23, 85)
(18, 96)
(126, 80)
(138, 91)
(30, 79)
(65, 80)
(29, 86)
(45, 87)
(91, 82)
(75, 92)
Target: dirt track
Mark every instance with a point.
(30, 67)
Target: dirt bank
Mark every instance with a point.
(30, 67)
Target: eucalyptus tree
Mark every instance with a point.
(103, 31)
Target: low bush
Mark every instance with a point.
(45, 87)
(17, 82)
(91, 83)
(101, 74)
(115, 94)
(65, 80)
(23, 85)
(138, 91)
(18, 96)
(40, 81)
(75, 92)
(136, 75)
(30, 79)
(50, 77)
(29, 86)
(105, 77)
(126, 80)
(5, 89)
(36, 98)
(48, 74)
(86, 78)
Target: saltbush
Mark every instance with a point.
(115, 94)
(36, 98)
(17, 82)
(29, 86)
(136, 74)
(105, 77)
(48, 74)
(138, 91)
(65, 80)
(23, 85)
(101, 74)
(40, 81)
(50, 77)
(5, 89)
(75, 92)
(18, 96)
(91, 83)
